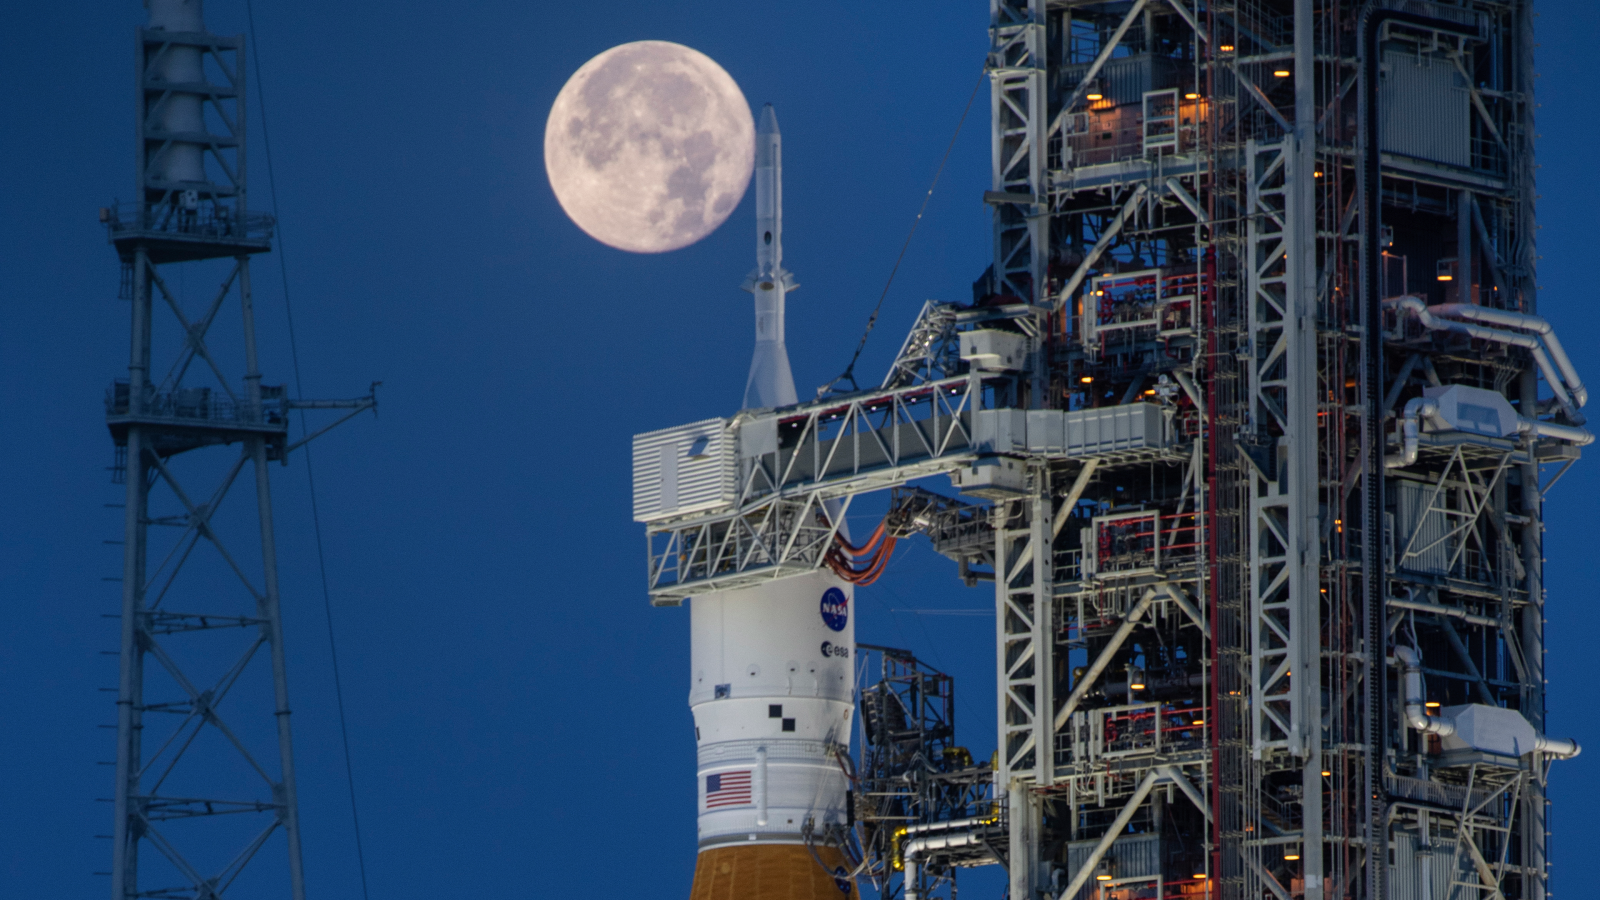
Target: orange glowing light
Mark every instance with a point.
(1280, 73)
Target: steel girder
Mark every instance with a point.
(1018, 70)
(152, 618)
(170, 428)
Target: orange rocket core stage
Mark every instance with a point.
(768, 872)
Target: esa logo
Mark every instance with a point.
(829, 648)
(835, 609)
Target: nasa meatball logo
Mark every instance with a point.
(835, 609)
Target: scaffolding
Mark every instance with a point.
(1274, 260)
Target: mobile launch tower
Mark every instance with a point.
(1250, 425)
(206, 789)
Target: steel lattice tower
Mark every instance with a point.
(1253, 417)
(205, 419)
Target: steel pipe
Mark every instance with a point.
(1417, 409)
(1434, 318)
(1525, 322)
(1416, 713)
(913, 851)
(1417, 717)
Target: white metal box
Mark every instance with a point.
(1000, 431)
(1080, 433)
(1475, 410)
(688, 468)
(991, 350)
(1089, 432)
(993, 478)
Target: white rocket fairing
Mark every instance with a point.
(770, 383)
(773, 678)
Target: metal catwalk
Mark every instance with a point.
(1249, 423)
(204, 769)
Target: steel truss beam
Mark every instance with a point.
(171, 613)
(1024, 654)
(1152, 779)
(140, 798)
(1284, 609)
(1289, 394)
(1018, 71)
(1025, 634)
(794, 464)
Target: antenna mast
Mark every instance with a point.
(200, 591)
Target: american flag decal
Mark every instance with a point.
(728, 789)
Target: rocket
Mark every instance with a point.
(772, 681)
(771, 383)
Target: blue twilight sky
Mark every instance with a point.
(516, 709)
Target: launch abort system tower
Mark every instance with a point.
(1251, 422)
(204, 768)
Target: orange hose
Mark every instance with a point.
(863, 550)
(869, 573)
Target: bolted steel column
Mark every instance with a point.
(1040, 537)
(1531, 630)
(125, 833)
(269, 607)
(1302, 438)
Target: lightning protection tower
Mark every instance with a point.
(213, 781)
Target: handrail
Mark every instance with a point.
(214, 220)
(200, 405)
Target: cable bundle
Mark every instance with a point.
(844, 556)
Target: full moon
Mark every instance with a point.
(649, 146)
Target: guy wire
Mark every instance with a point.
(849, 371)
(311, 481)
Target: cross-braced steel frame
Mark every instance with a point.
(194, 744)
(1239, 211)
(1251, 172)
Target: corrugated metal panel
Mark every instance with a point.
(1126, 80)
(1432, 874)
(684, 469)
(1134, 856)
(1084, 432)
(1421, 531)
(1000, 430)
(1132, 427)
(1123, 81)
(1423, 109)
